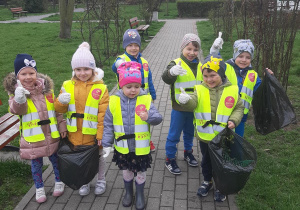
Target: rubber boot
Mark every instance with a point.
(140, 199)
(127, 200)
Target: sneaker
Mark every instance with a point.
(100, 187)
(84, 190)
(152, 147)
(189, 157)
(219, 197)
(59, 189)
(204, 188)
(172, 166)
(40, 195)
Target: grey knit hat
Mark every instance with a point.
(243, 45)
(189, 38)
(131, 36)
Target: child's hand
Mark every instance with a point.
(119, 62)
(231, 125)
(99, 142)
(64, 97)
(144, 115)
(63, 134)
(106, 151)
(20, 92)
(183, 97)
(177, 70)
(217, 45)
(270, 71)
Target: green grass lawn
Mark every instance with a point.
(275, 182)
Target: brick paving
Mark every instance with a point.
(163, 190)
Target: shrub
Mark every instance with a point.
(196, 8)
(36, 6)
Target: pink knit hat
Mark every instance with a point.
(83, 57)
(129, 72)
(189, 38)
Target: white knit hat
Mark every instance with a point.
(83, 57)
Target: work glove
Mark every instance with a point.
(20, 92)
(106, 151)
(177, 70)
(183, 97)
(119, 62)
(64, 97)
(217, 45)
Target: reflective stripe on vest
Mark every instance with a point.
(90, 120)
(187, 81)
(202, 112)
(141, 128)
(247, 88)
(145, 68)
(32, 132)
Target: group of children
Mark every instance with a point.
(209, 93)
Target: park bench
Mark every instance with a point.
(134, 23)
(9, 130)
(18, 11)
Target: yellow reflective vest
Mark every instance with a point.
(248, 85)
(207, 131)
(146, 71)
(188, 81)
(30, 122)
(90, 115)
(141, 128)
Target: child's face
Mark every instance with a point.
(131, 90)
(133, 49)
(27, 76)
(190, 52)
(212, 79)
(243, 60)
(83, 73)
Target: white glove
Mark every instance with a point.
(119, 62)
(99, 73)
(183, 97)
(106, 151)
(64, 97)
(20, 92)
(177, 70)
(217, 45)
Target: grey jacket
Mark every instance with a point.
(128, 112)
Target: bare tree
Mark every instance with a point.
(66, 9)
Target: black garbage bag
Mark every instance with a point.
(233, 159)
(272, 108)
(77, 165)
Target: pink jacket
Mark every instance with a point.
(44, 86)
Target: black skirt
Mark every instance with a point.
(132, 162)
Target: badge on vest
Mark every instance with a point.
(251, 77)
(229, 102)
(140, 108)
(96, 93)
(50, 98)
(145, 67)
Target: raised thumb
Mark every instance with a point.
(63, 90)
(220, 34)
(182, 90)
(19, 83)
(179, 63)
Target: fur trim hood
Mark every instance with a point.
(10, 82)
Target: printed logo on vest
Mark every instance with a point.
(140, 108)
(96, 93)
(229, 102)
(145, 67)
(50, 98)
(251, 77)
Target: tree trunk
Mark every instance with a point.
(66, 9)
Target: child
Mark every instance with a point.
(84, 99)
(126, 124)
(31, 97)
(182, 72)
(132, 46)
(240, 72)
(216, 104)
